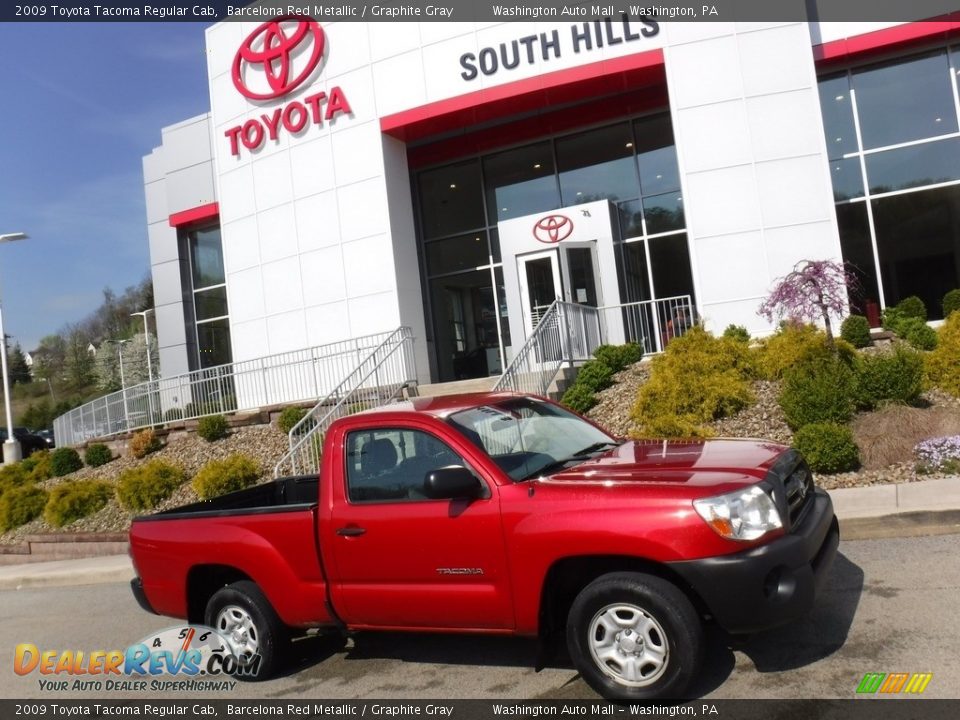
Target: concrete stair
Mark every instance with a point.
(63, 546)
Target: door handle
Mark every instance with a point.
(351, 531)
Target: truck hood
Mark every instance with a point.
(702, 462)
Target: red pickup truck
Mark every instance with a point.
(503, 514)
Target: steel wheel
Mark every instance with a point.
(629, 645)
(236, 625)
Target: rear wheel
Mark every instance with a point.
(635, 637)
(241, 613)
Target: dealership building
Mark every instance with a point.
(457, 178)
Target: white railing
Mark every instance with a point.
(650, 323)
(378, 379)
(567, 333)
(275, 379)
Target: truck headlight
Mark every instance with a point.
(740, 515)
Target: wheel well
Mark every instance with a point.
(567, 577)
(203, 581)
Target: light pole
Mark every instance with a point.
(146, 338)
(123, 382)
(11, 446)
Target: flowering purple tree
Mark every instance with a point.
(816, 289)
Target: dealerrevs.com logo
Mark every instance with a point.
(181, 658)
(276, 59)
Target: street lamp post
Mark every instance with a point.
(11, 446)
(123, 385)
(146, 338)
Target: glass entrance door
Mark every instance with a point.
(580, 273)
(539, 275)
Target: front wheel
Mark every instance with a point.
(241, 613)
(635, 637)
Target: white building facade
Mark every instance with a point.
(351, 178)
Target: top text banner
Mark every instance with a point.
(481, 11)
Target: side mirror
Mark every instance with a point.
(452, 483)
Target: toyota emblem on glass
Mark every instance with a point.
(552, 229)
(274, 46)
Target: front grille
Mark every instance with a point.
(798, 488)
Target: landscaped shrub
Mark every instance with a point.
(212, 427)
(737, 332)
(943, 364)
(594, 376)
(173, 414)
(97, 454)
(951, 302)
(820, 390)
(20, 505)
(39, 466)
(579, 398)
(144, 442)
(219, 477)
(890, 377)
(65, 461)
(939, 455)
(856, 331)
(795, 344)
(617, 357)
(71, 501)
(912, 307)
(827, 447)
(698, 379)
(917, 333)
(290, 417)
(144, 487)
(12, 476)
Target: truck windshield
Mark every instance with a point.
(528, 438)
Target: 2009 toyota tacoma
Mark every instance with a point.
(503, 514)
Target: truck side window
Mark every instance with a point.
(391, 464)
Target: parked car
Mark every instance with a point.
(48, 438)
(503, 514)
(30, 442)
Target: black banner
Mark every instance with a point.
(865, 708)
(483, 11)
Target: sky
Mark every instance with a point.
(80, 105)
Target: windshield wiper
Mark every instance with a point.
(577, 456)
(593, 448)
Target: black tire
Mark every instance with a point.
(676, 629)
(272, 637)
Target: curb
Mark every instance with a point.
(63, 573)
(880, 500)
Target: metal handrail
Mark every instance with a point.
(379, 379)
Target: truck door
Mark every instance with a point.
(403, 560)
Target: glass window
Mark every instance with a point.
(210, 303)
(214, 343)
(502, 299)
(451, 199)
(858, 252)
(597, 164)
(847, 179)
(636, 281)
(631, 218)
(663, 212)
(918, 244)
(520, 182)
(905, 100)
(392, 464)
(465, 252)
(465, 325)
(656, 155)
(837, 110)
(206, 257)
(914, 166)
(670, 265)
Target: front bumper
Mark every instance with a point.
(772, 584)
(136, 587)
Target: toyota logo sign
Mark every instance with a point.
(552, 229)
(286, 50)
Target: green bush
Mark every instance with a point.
(918, 333)
(951, 302)
(912, 307)
(698, 379)
(144, 487)
(579, 398)
(819, 390)
(617, 357)
(594, 376)
(290, 417)
(97, 454)
(20, 505)
(737, 332)
(827, 447)
(212, 427)
(173, 414)
(856, 331)
(219, 477)
(39, 466)
(794, 344)
(943, 364)
(890, 377)
(71, 501)
(65, 461)
(14, 476)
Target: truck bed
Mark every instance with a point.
(287, 494)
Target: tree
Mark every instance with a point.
(78, 363)
(815, 290)
(17, 366)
